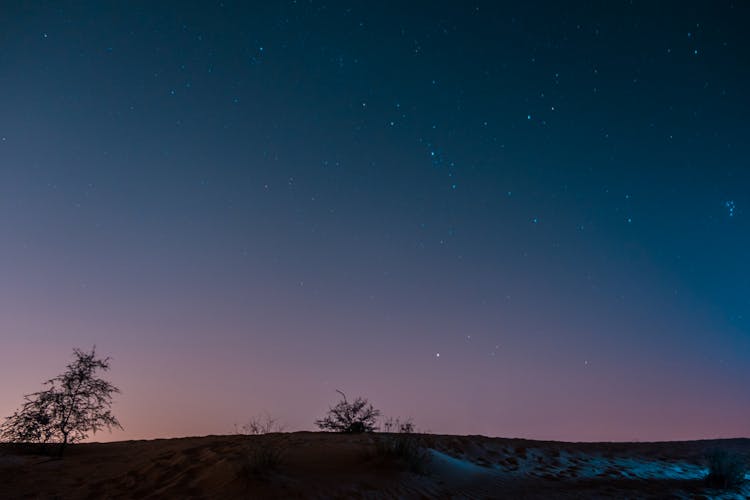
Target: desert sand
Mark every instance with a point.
(319, 465)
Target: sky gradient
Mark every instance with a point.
(521, 221)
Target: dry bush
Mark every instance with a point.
(356, 417)
(260, 424)
(263, 456)
(265, 452)
(405, 426)
(403, 446)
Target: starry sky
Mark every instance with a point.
(503, 219)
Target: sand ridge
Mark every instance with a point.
(321, 465)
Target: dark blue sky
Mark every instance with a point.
(502, 219)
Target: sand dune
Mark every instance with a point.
(317, 465)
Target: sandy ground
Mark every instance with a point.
(317, 465)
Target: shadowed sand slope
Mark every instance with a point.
(315, 465)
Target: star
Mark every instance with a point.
(729, 204)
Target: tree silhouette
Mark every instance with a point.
(354, 418)
(72, 405)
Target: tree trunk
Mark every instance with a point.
(63, 444)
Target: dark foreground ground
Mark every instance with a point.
(316, 465)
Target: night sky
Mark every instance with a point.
(514, 220)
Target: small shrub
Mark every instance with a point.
(403, 446)
(406, 450)
(726, 470)
(258, 425)
(397, 425)
(264, 455)
(266, 450)
(356, 417)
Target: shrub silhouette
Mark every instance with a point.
(405, 426)
(726, 470)
(356, 417)
(265, 454)
(72, 405)
(263, 423)
(402, 446)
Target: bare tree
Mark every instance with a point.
(354, 418)
(72, 405)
